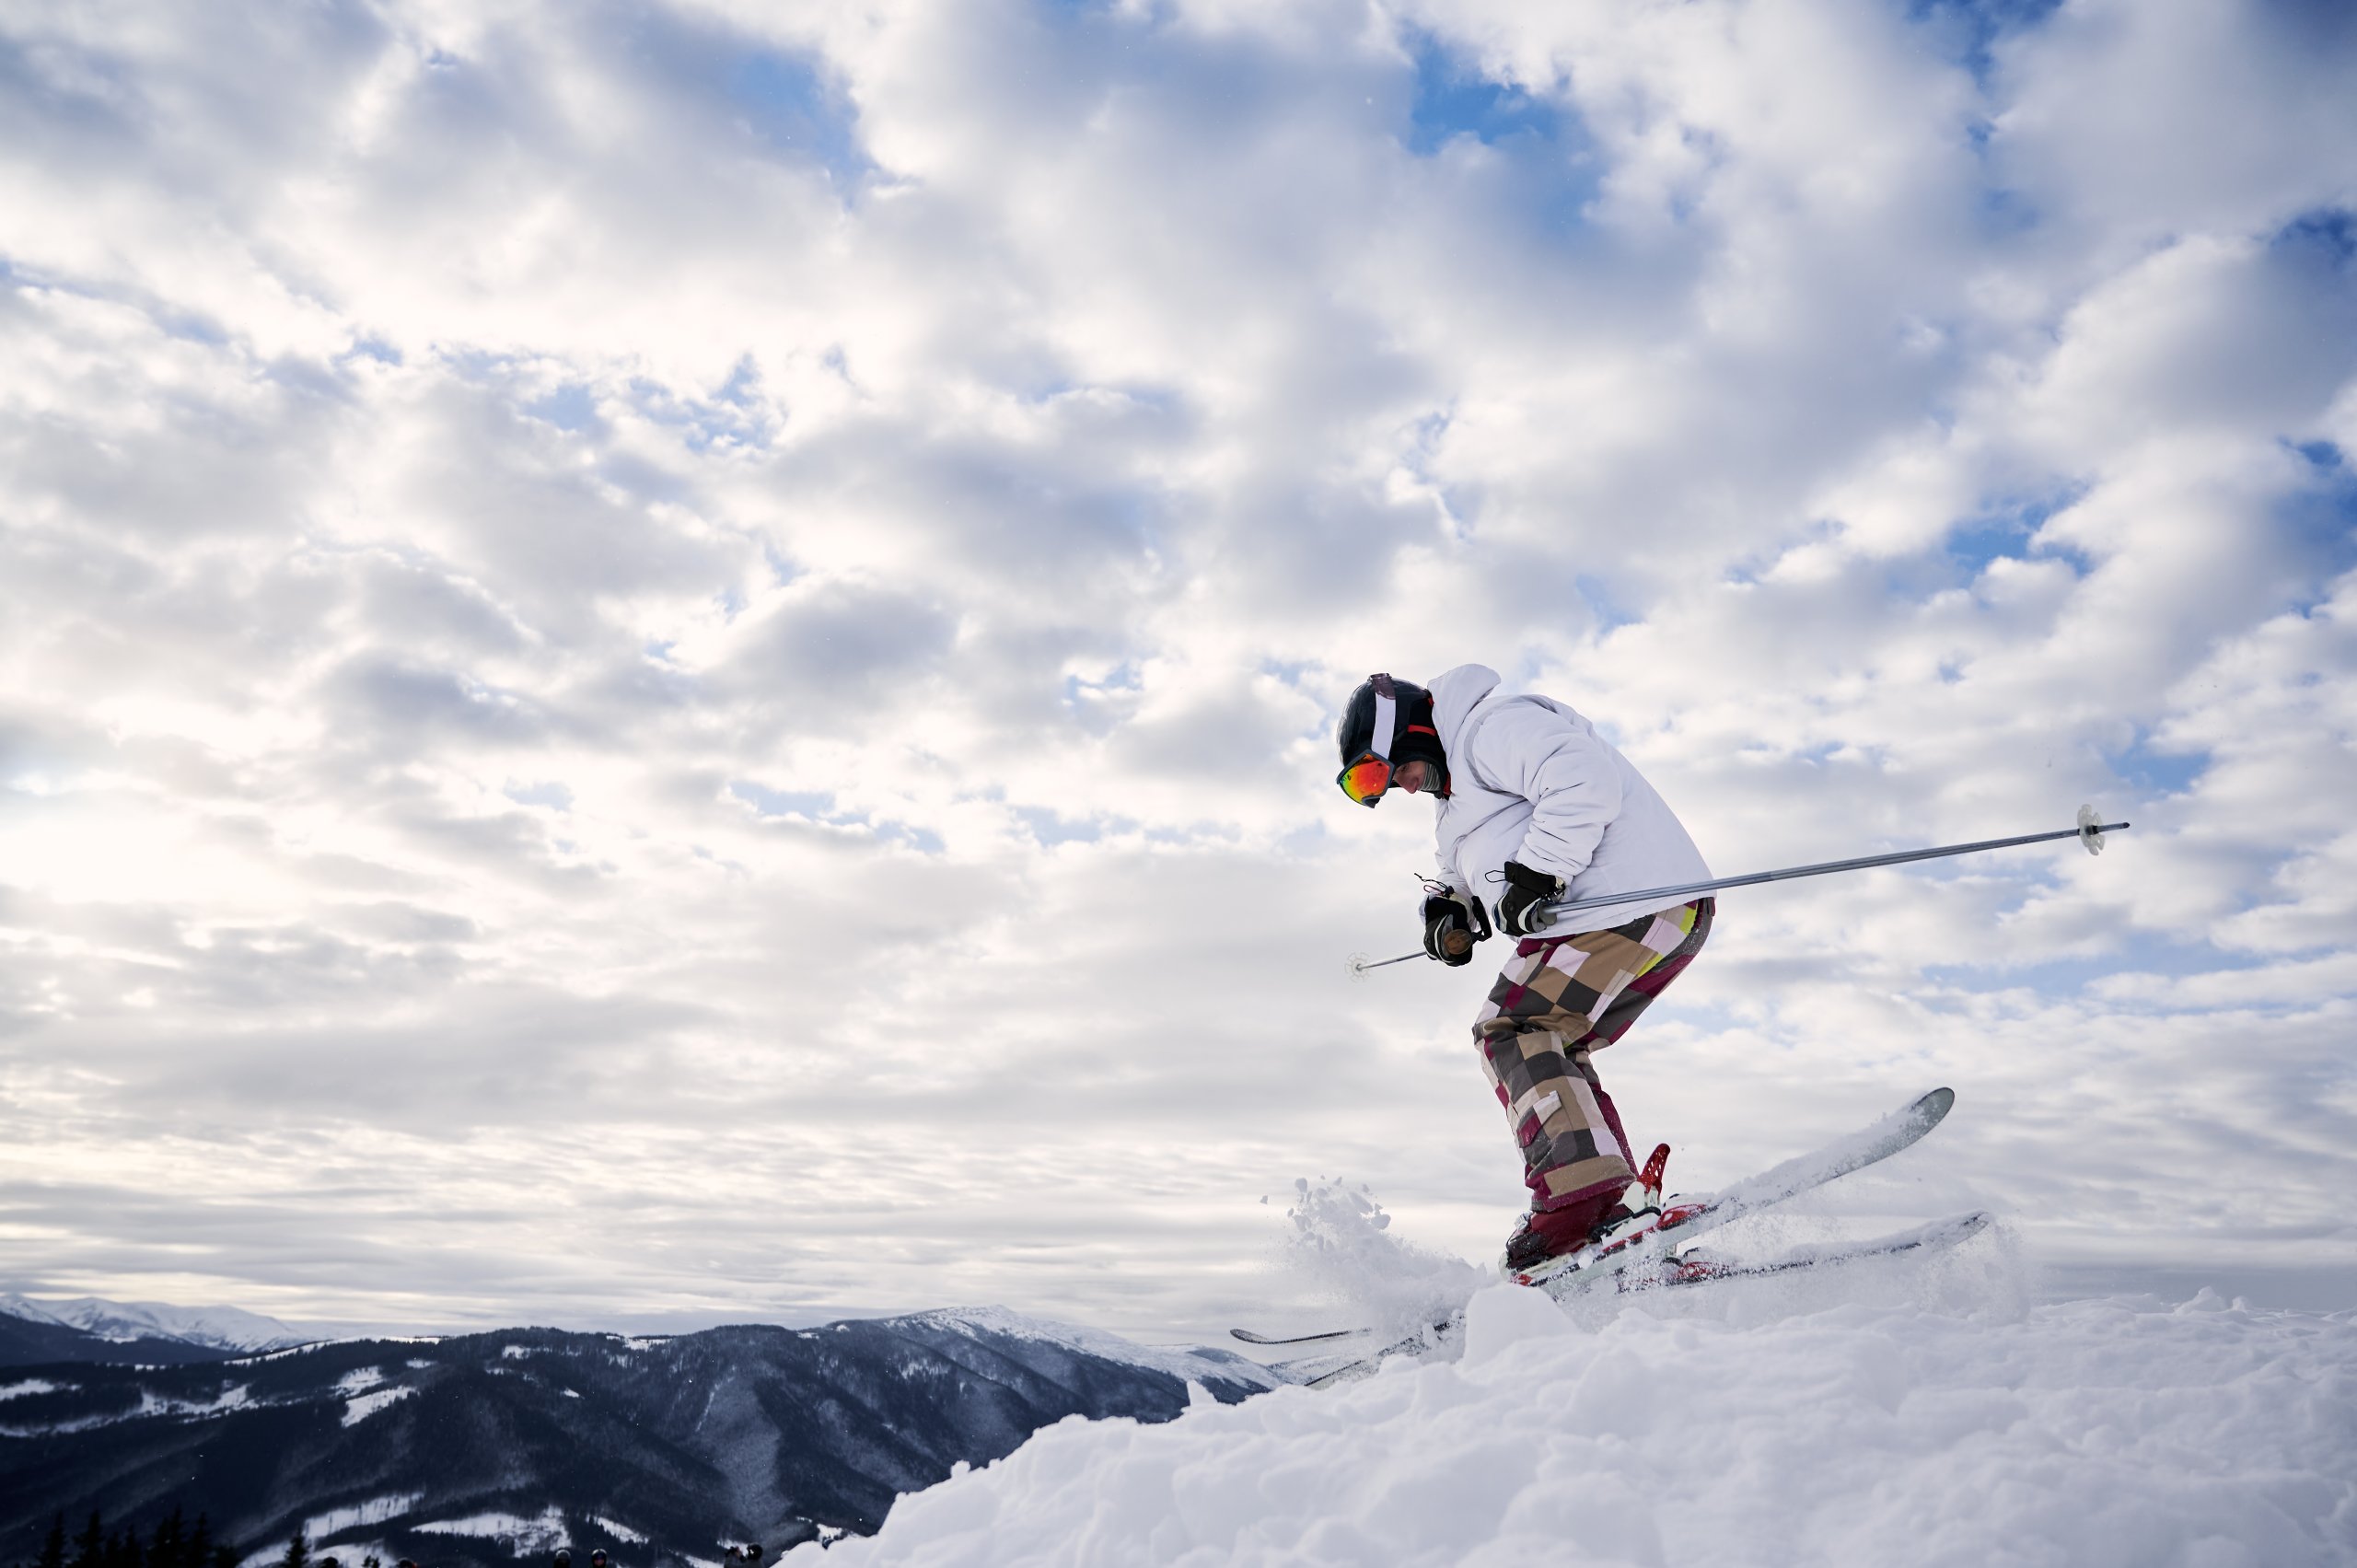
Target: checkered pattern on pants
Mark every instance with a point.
(1556, 1001)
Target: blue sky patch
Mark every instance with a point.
(2330, 232)
(1545, 146)
(1455, 99)
(1100, 704)
(1610, 613)
(788, 104)
(570, 407)
(816, 806)
(2322, 519)
(377, 349)
(2156, 773)
(734, 415)
(1967, 32)
(819, 806)
(925, 841)
(2007, 529)
(548, 793)
(782, 571)
(743, 388)
(1053, 828)
(2005, 210)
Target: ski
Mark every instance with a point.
(1249, 1338)
(1687, 1220)
(1324, 1372)
(1936, 1237)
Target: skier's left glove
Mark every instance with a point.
(1453, 922)
(1523, 905)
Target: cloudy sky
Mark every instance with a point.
(675, 662)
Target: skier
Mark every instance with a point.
(1536, 806)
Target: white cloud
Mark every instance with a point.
(662, 658)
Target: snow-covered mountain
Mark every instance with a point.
(1746, 1424)
(477, 1449)
(230, 1330)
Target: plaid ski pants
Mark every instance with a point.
(1556, 1001)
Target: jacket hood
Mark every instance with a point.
(1456, 693)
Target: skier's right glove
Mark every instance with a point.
(1453, 922)
(1524, 903)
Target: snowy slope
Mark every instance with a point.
(215, 1328)
(2091, 1433)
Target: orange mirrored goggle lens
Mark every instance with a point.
(1366, 779)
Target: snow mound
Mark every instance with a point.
(361, 1407)
(2107, 1434)
(525, 1537)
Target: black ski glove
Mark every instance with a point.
(1525, 901)
(1453, 922)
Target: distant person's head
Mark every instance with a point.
(598, 1558)
(752, 1551)
(564, 1557)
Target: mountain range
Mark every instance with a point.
(483, 1450)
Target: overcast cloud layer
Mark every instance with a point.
(679, 660)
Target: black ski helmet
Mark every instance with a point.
(1413, 735)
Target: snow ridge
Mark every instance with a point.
(1189, 1366)
(216, 1328)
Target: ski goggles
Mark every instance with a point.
(1366, 779)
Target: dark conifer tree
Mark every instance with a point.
(165, 1550)
(90, 1546)
(198, 1552)
(298, 1551)
(52, 1550)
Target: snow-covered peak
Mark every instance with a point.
(28, 1309)
(215, 1327)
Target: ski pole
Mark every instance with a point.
(2089, 832)
(1456, 941)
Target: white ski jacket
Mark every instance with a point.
(1530, 780)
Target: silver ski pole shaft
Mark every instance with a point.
(2089, 832)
